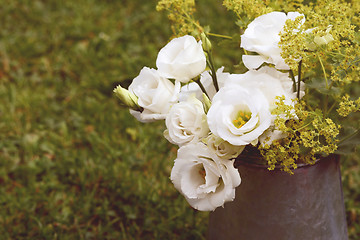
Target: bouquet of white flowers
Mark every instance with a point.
(213, 115)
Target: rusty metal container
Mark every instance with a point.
(273, 205)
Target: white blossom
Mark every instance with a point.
(222, 148)
(186, 122)
(239, 115)
(205, 180)
(262, 36)
(271, 82)
(155, 94)
(182, 59)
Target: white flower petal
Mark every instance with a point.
(205, 180)
(155, 95)
(253, 61)
(186, 122)
(181, 59)
(262, 36)
(227, 104)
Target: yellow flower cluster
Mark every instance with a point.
(180, 14)
(309, 135)
(356, 8)
(328, 36)
(347, 106)
(247, 10)
(320, 136)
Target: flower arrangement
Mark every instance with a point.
(297, 99)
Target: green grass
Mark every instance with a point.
(73, 165)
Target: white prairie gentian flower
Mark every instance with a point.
(207, 82)
(155, 95)
(186, 122)
(222, 148)
(206, 180)
(270, 81)
(182, 59)
(239, 115)
(262, 36)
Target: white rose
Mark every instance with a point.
(155, 95)
(222, 148)
(262, 36)
(239, 115)
(186, 122)
(182, 59)
(206, 181)
(207, 82)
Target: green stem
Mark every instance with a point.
(330, 109)
(324, 72)
(188, 17)
(218, 35)
(326, 85)
(299, 79)
(293, 79)
(213, 71)
(304, 126)
(348, 137)
(202, 88)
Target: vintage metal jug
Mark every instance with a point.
(273, 205)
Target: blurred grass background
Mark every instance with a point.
(73, 165)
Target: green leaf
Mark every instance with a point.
(319, 84)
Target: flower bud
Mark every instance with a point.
(323, 40)
(206, 103)
(127, 98)
(319, 40)
(206, 44)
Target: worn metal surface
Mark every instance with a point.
(273, 205)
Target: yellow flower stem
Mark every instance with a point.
(304, 126)
(323, 69)
(188, 17)
(334, 54)
(290, 142)
(326, 85)
(218, 35)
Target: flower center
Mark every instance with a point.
(241, 118)
(202, 172)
